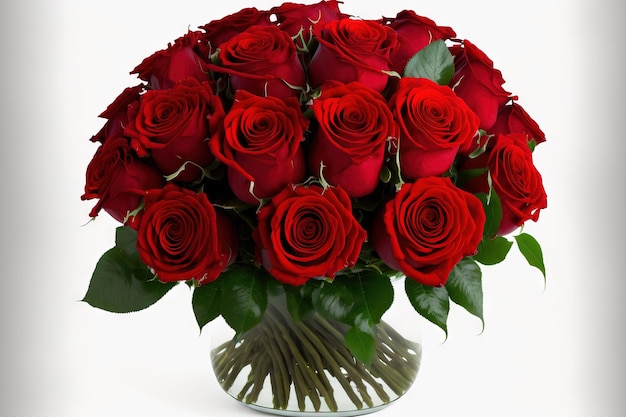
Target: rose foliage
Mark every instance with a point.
(302, 148)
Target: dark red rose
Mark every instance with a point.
(218, 31)
(166, 67)
(117, 114)
(434, 125)
(298, 19)
(414, 33)
(478, 83)
(261, 144)
(354, 125)
(308, 232)
(263, 61)
(353, 50)
(181, 236)
(512, 118)
(427, 228)
(117, 178)
(514, 178)
(173, 127)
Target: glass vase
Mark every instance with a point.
(293, 367)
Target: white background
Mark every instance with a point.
(553, 351)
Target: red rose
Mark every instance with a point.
(117, 178)
(181, 236)
(514, 178)
(263, 61)
(427, 228)
(354, 125)
(261, 144)
(414, 33)
(478, 83)
(353, 50)
(434, 125)
(218, 31)
(117, 114)
(308, 232)
(298, 20)
(173, 126)
(513, 118)
(166, 67)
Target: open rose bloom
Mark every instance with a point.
(299, 147)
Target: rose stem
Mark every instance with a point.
(332, 356)
(312, 377)
(355, 369)
(280, 377)
(260, 375)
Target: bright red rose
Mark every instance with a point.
(414, 33)
(308, 232)
(427, 228)
(478, 83)
(263, 61)
(117, 178)
(434, 125)
(173, 127)
(512, 118)
(298, 19)
(261, 144)
(181, 236)
(166, 67)
(354, 123)
(353, 50)
(117, 114)
(218, 31)
(514, 178)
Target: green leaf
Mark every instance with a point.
(493, 212)
(334, 301)
(362, 344)
(121, 283)
(434, 62)
(298, 300)
(465, 287)
(372, 293)
(531, 250)
(244, 297)
(432, 303)
(206, 302)
(492, 251)
(126, 239)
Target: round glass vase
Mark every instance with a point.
(301, 367)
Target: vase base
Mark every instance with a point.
(296, 413)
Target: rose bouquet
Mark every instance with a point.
(302, 154)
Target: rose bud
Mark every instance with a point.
(261, 145)
(354, 125)
(427, 228)
(512, 118)
(478, 83)
(173, 126)
(353, 50)
(116, 114)
(219, 31)
(514, 178)
(308, 232)
(263, 61)
(166, 67)
(181, 236)
(434, 125)
(117, 178)
(414, 34)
